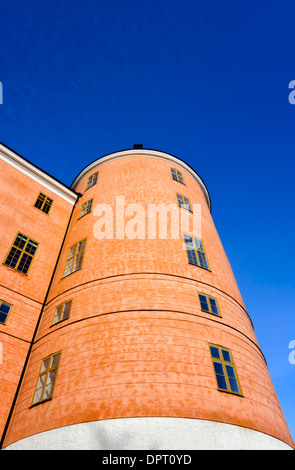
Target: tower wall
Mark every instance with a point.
(21, 183)
(135, 350)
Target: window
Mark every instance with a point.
(46, 379)
(75, 258)
(43, 203)
(21, 254)
(195, 252)
(209, 304)
(4, 311)
(177, 175)
(184, 202)
(62, 312)
(226, 376)
(86, 208)
(92, 180)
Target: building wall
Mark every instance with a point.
(20, 187)
(136, 343)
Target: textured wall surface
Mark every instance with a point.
(136, 343)
(26, 293)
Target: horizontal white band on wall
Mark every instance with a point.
(150, 434)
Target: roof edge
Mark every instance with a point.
(149, 153)
(37, 174)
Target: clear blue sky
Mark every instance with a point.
(204, 80)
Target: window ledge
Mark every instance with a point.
(40, 402)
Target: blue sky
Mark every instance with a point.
(206, 81)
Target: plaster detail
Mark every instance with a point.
(150, 434)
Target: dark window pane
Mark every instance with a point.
(203, 298)
(226, 355)
(202, 258)
(221, 382)
(234, 385)
(20, 241)
(230, 371)
(204, 306)
(3, 317)
(180, 179)
(214, 352)
(4, 308)
(213, 304)
(47, 205)
(215, 310)
(66, 312)
(218, 367)
(192, 257)
(13, 257)
(31, 247)
(204, 303)
(89, 206)
(24, 264)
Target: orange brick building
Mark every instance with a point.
(121, 323)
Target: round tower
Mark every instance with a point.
(144, 341)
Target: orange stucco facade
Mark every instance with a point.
(20, 185)
(136, 342)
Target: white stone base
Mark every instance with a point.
(150, 434)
